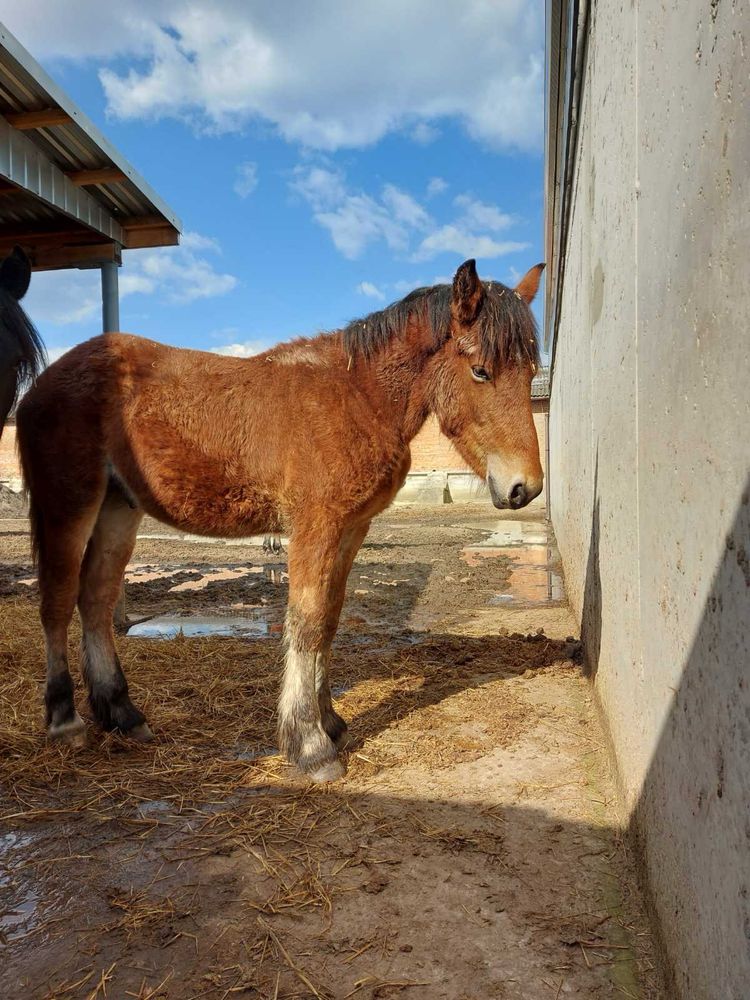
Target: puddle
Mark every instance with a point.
(239, 626)
(534, 577)
(20, 918)
(12, 840)
(220, 574)
(276, 573)
(18, 907)
(532, 582)
(201, 576)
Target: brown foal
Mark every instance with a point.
(311, 437)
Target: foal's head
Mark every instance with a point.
(482, 387)
(472, 347)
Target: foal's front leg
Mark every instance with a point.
(314, 559)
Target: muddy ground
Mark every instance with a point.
(472, 851)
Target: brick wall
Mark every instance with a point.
(431, 450)
(9, 470)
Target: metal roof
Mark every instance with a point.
(66, 194)
(566, 54)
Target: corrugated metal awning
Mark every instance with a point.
(66, 194)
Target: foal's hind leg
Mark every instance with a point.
(107, 555)
(61, 547)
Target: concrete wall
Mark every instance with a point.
(650, 441)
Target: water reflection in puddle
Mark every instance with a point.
(534, 577)
(203, 576)
(21, 918)
(18, 907)
(170, 626)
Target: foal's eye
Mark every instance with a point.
(480, 374)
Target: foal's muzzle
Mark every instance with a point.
(518, 493)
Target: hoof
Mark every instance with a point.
(72, 733)
(331, 771)
(141, 733)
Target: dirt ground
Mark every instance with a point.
(472, 851)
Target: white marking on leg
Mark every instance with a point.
(302, 736)
(321, 670)
(299, 669)
(99, 655)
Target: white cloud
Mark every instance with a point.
(371, 291)
(82, 29)
(454, 239)
(479, 215)
(241, 349)
(424, 134)
(402, 67)
(467, 235)
(63, 297)
(402, 287)
(247, 179)
(436, 186)
(356, 219)
(53, 353)
(197, 241)
(173, 274)
(404, 208)
(131, 283)
(177, 274)
(323, 188)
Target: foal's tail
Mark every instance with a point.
(22, 354)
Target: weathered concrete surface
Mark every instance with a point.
(649, 424)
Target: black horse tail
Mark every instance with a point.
(22, 355)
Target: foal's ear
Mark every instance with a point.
(529, 283)
(467, 292)
(15, 273)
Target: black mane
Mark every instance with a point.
(21, 350)
(505, 325)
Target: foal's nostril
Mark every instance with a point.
(517, 495)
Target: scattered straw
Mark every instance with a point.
(210, 785)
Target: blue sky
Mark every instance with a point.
(323, 158)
